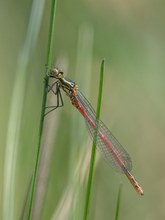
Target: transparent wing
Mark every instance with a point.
(108, 145)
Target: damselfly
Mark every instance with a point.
(111, 149)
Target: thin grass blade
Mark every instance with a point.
(48, 64)
(15, 114)
(118, 202)
(93, 154)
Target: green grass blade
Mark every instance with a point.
(83, 76)
(100, 90)
(51, 33)
(48, 63)
(93, 154)
(25, 211)
(118, 202)
(15, 114)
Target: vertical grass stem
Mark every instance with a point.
(48, 65)
(93, 153)
(118, 202)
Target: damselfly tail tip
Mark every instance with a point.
(134, 183)
(138, 189)
(141, 191)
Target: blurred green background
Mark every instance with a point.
(130, 36)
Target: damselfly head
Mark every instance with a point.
(56, 73)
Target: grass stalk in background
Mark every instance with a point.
(48, 65)
(118, 202)
(15, 114)
(93, 154)
(83, 76)
(70, 206)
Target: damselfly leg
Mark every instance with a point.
(55, 89)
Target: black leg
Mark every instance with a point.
(57, 93)
(50, 88)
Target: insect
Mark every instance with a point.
(113, 152)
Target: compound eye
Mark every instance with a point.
(56, 73)
(53, 72)
(60, 74)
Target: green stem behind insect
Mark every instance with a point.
(48, 64)
(118, 202)
(93, 154)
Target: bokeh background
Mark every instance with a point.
(130, 36)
